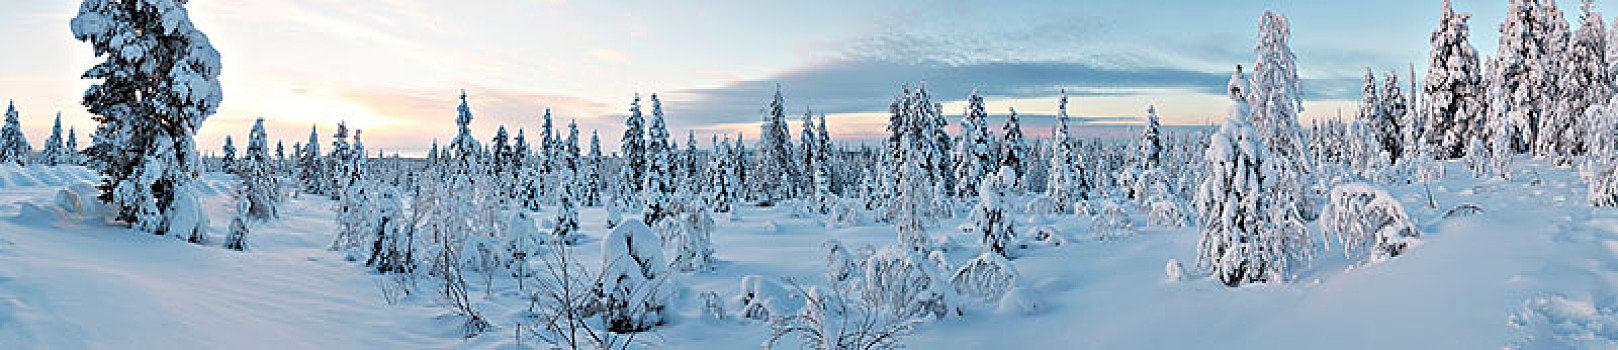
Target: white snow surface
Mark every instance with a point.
(1538, 268)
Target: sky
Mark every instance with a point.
(394, 68)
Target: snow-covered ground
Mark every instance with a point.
(1538, 268)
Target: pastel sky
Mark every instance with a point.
(394, 67)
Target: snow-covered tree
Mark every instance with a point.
(1242, 242)
(688, 235)
(775, 170)
(991, 218)
(157, 84)
(1452, 93)
(393, 238)
(591, 194)
(1386, 122)
(1584, 81)
(1066, 183)
(54, 153)
(1522, 71)
(660, 168)
(1276, 100)
(1151, 141)
(724, 189)
(13, 144)
(1366, 220)
(312, 166)
(465, 147)
(1013, 150)
(808, 153)
(975, 153)
(73, 152)
(236, 239)
(633, 150)
(261, 187)
(229, 152)
(634, 289)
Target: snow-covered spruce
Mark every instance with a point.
(1367, 222)
(262, 186)
(1242, 241)
(14, 146)
(54, 153)
(157, 84)
(1066, 180)
(991, 218)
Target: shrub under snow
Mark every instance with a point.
(1368, 220)
(632, 290)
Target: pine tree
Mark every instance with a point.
(13, 144)
(340, 172)
(312, 167)
(158, 83)
(1453, 89)
(54, 153)
(1065, 185)
(260, 185)
(1584, 81)
(1522, 71)
(1390, 132)
(775, 171)
(633, 151)
(975, 155)
(464, 148)
(991, 218)
(236, 239)
(1241, 242)
(808, 154)
(1276, 101)
(229, 159)
(824, 153)
(73, 152)
(593, 184)
(1013, 150)
(722, 196)
(660, 170)
(1151, 143)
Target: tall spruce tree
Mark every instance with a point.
(1453, 95)
(157, 84)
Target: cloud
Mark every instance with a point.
(609, 55)
(867, 86)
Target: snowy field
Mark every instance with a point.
(1537, 268)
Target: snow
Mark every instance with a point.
(1537, 267)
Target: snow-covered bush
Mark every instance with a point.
(1167, 212)
(1604, 187)
(846, 213)
(901, 281)
(237, 238)
(841, 264)
(688, 240)
(394, 234)
(765, 299)
(633, 293)
(1174, 270)
(1368, 221)
(1112, 220)
(985, 278)
(837, 318)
